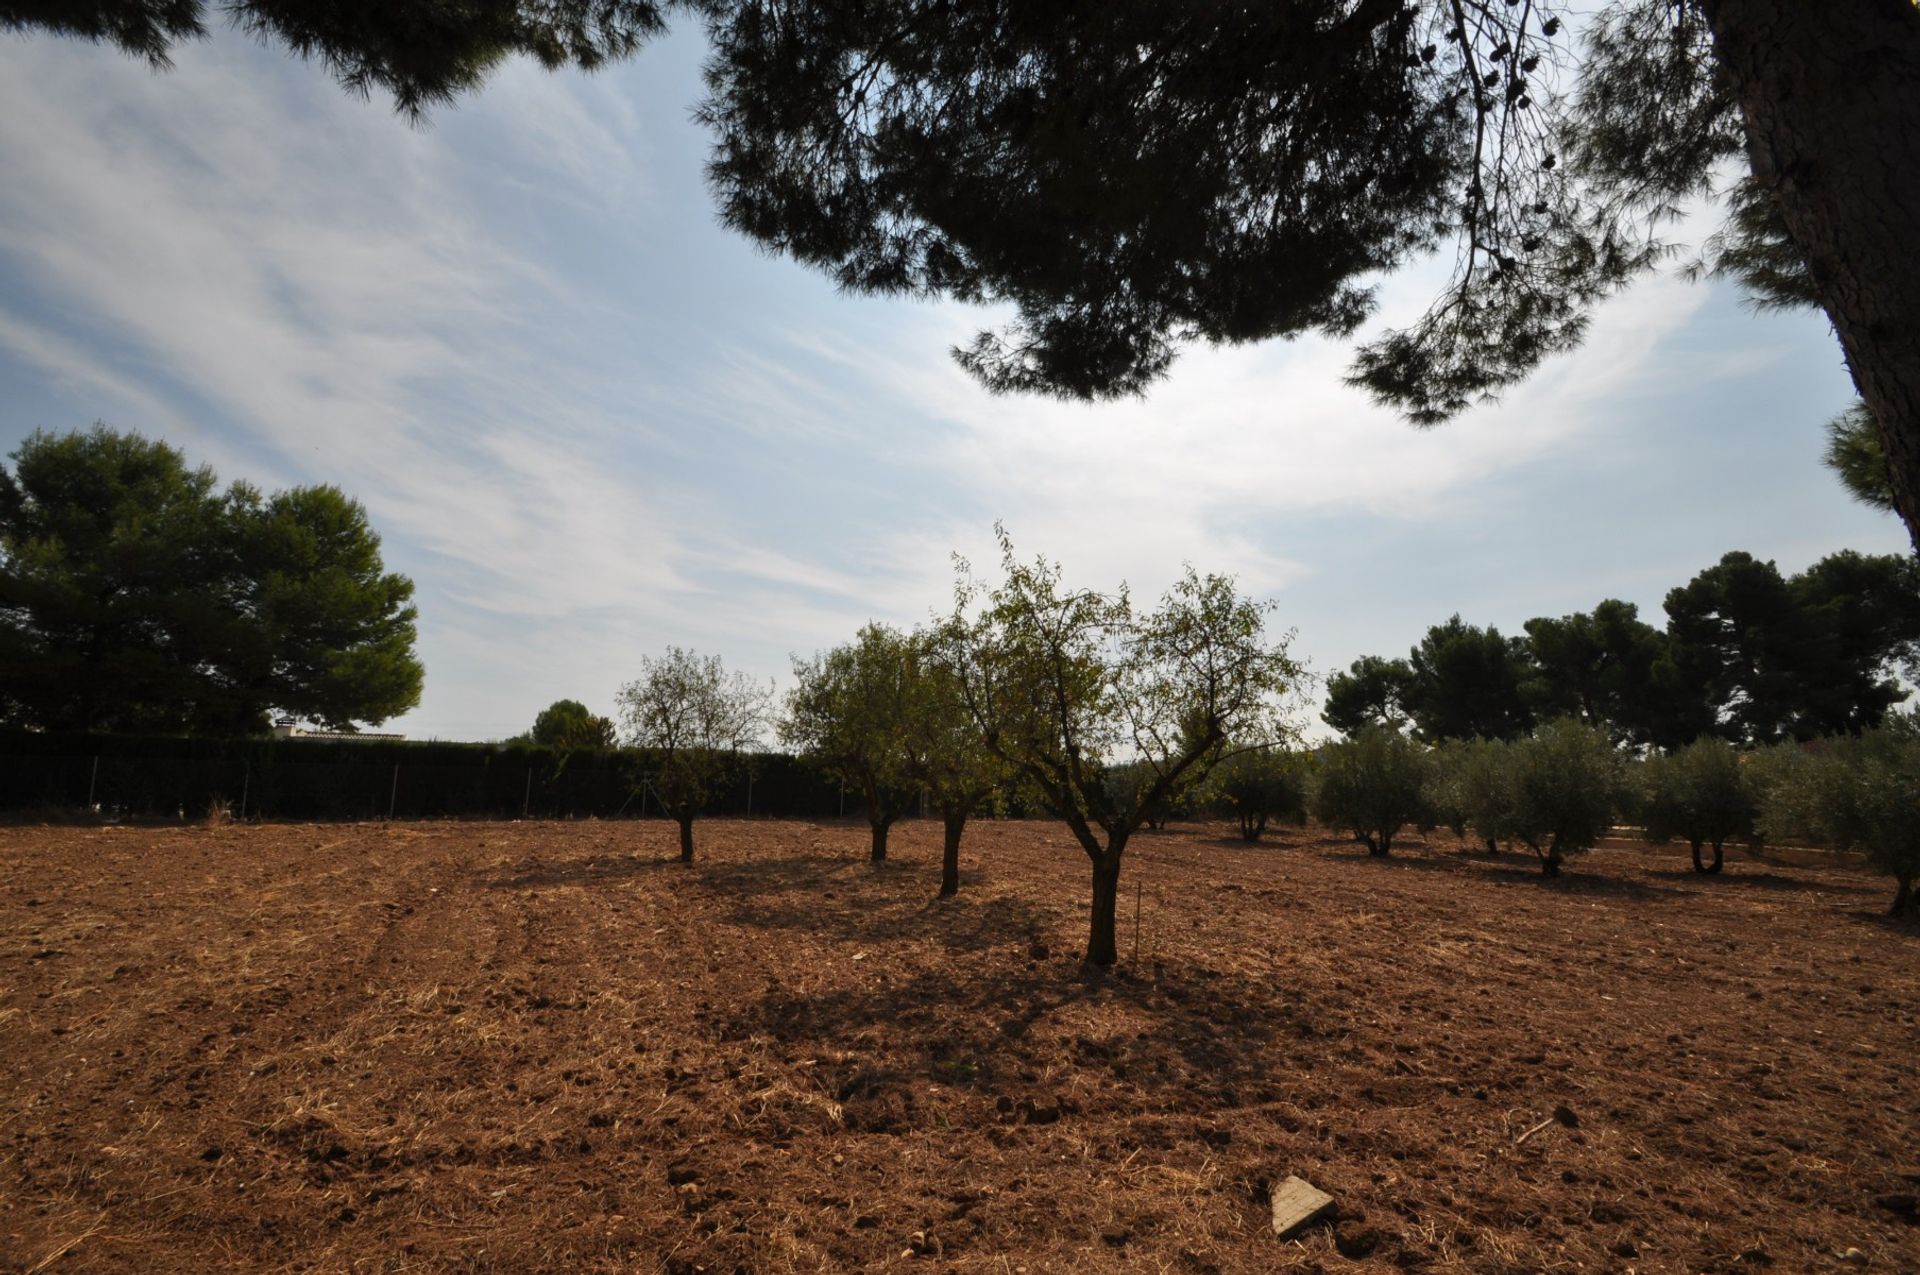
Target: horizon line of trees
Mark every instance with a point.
(1747, 654)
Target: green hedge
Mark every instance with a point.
(148, 776)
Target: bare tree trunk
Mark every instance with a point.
(1699, 864)
(880, 827)
(1719, 858)
(1906, 899)
(1827, 92)
(1102, 944)
(950, 855)
(686, 837)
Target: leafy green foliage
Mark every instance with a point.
(1468, 683)
(1860, 793)
(1372, 692)
(697, 722)
(1858, 458)
(1473, 789)
(1797, 658)
(1566, 785)
(848, 714)
(136, 596)
(1260, 785)
(1066, 685)
(1373, 785)
(1705, 795)
(1609, 668)
(567, 724)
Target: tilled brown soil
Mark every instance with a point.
(550, 1047)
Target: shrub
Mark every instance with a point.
(1861, 793)
(1473, 789)
(1373, 785)
(1705, 795)
(1566, 781)
(1259, 786)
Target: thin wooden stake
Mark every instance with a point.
(1137, 887)
(394, 794)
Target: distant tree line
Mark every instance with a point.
(1747, 655)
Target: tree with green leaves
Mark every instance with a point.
(567, 725)
(1259, 785)
(847, 715)
(1233, 173)
(945, 753)
(135, 595)
(1473, 786)
(1611, 669)
(1566, 781)
(1372, 786)
(1066, 684)
(1705, 794)
(1857, 793)
(1468, 683)
(697, 723)
(1797, 658)
(1372, 692)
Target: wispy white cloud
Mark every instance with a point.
(584, 444)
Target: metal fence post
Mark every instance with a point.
(526, 801)
(393, 794)
(93, 781)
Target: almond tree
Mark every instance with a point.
(847, 714)
(697, 722)
(946, 753)
(1066, 684)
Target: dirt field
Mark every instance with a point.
(547, 1047)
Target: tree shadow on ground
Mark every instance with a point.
(1734, 877)
(1904, 926)
(587, 871)
(824, 898)
(1191, 1039)
(1574, 878)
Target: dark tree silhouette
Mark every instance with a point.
(137, 596)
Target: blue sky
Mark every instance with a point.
(588, 422)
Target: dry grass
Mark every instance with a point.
(549, 1047)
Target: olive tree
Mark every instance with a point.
(945, 753)
(1473, 789)
(697, 722)
(1372, 786)
(1566, 783)
(847, 714)
(1259, 785)
(1065, 684)
(1704, 794)
(1855, 793)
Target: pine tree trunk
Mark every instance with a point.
(1826, 89)
(880, 827)
(950, 855)
(686, 838)
(1102, 944)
